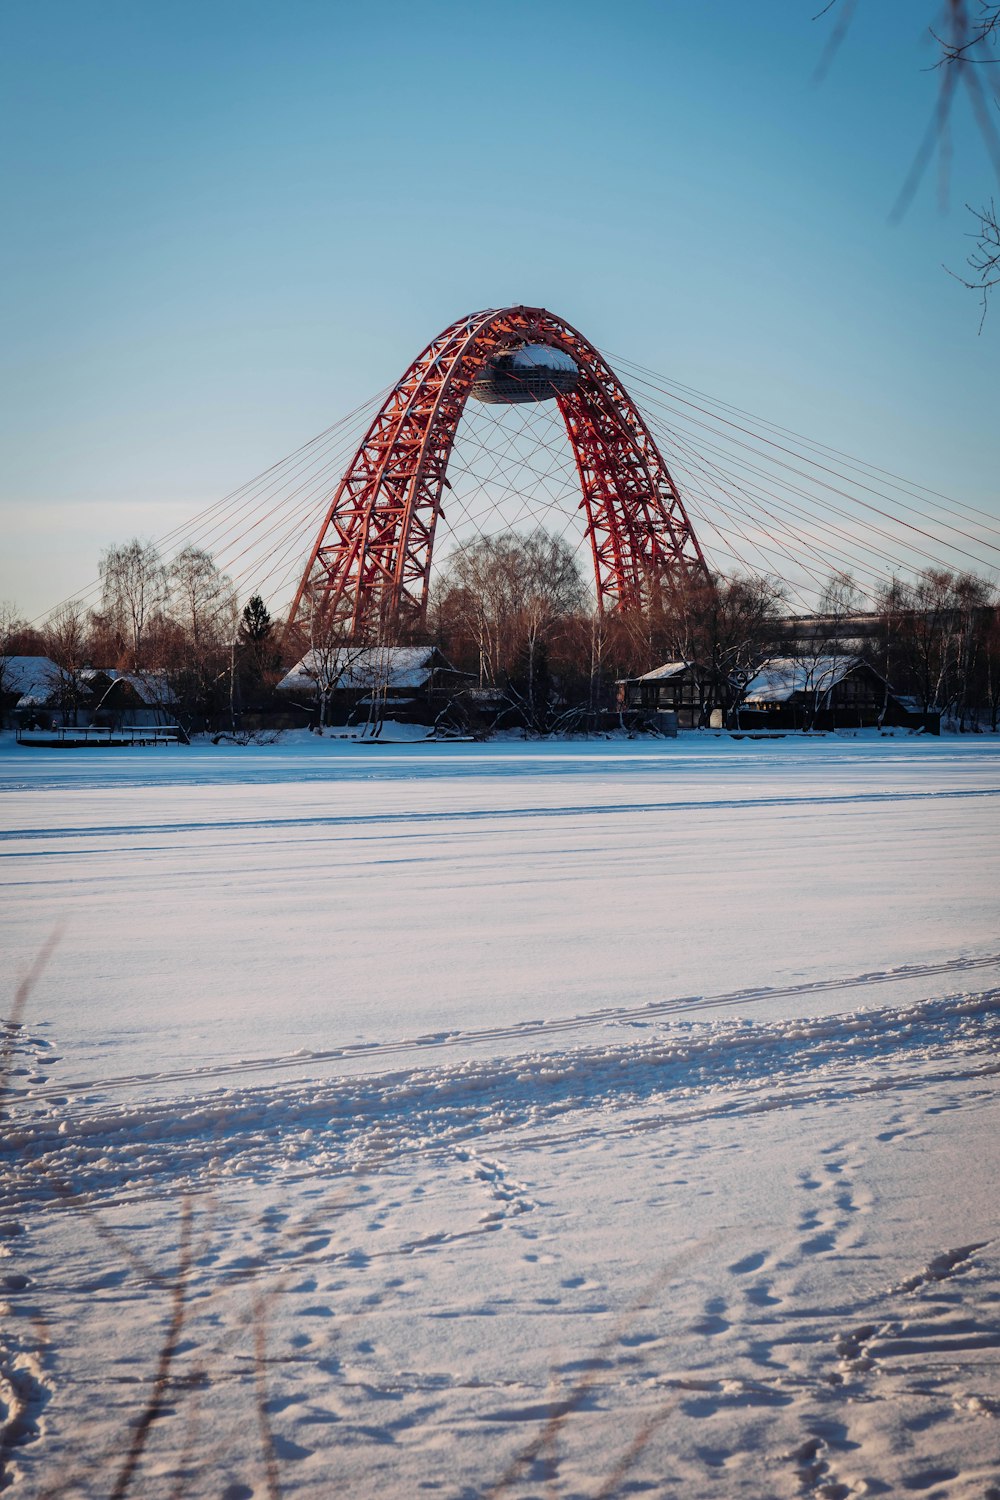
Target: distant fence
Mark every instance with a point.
(67, 737)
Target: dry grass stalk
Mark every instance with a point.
(545, 1445)
(546, 1440)
(12, 1026)
(168, 1350)
(260, 1391)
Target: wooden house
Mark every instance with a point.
(407, 683)
(129, 699)
(29, 688)
(678, 687)
(827, 692)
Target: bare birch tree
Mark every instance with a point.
(512, 593)
(66, 643)
(133, 589)
(203, 607)
(332, 656)
(9, 623)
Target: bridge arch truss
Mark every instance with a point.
(369, 570)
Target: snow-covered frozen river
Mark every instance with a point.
(576, 1119)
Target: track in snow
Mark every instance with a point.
(683, 1005)
(369, 820)
(687, 1072)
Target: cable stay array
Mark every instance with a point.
(811, 504)
(763, 498)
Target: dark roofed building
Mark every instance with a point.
(828, 692)
(393, 682)
(678, 687)
(119, 699)
(27, 684)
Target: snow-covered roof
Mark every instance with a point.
(152, 687)
(393, 668)
(31, 677)
(669, 669)
(782, 677)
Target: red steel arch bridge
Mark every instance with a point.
(370, 565)
(511, 419)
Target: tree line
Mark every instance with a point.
(515, 613)
(180, 619)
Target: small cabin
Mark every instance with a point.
(29, 686)
(827, 692)
(130, 699)
(36, 691)
(678, 687)
(407, 683)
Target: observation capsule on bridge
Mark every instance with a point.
(535, 372)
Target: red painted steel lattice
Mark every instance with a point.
(369, 569)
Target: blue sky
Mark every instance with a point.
(228, 222)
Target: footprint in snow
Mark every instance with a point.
(760, 1296)
(747, 1264)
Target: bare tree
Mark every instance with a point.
(552, 591)
(478, 592)
(966, 36)
(967, 43)
(323, 663)
(332, 655)
(727, 627)
(598, 645)
(983, 259)
(66, 643)
(840, 599)
(133, 588)
(940, 642)
(9, 625)
(201, 598)
(740, 627)
(513, 595)
(991, 668)
(203, 608)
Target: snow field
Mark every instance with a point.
(567, 1120)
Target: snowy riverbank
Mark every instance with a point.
(540, 1109)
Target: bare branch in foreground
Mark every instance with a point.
(168, 1350)
(260, 1385)
(12, 1025)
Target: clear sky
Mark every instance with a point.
(227, 222)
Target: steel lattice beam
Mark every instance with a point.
(369, 569)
